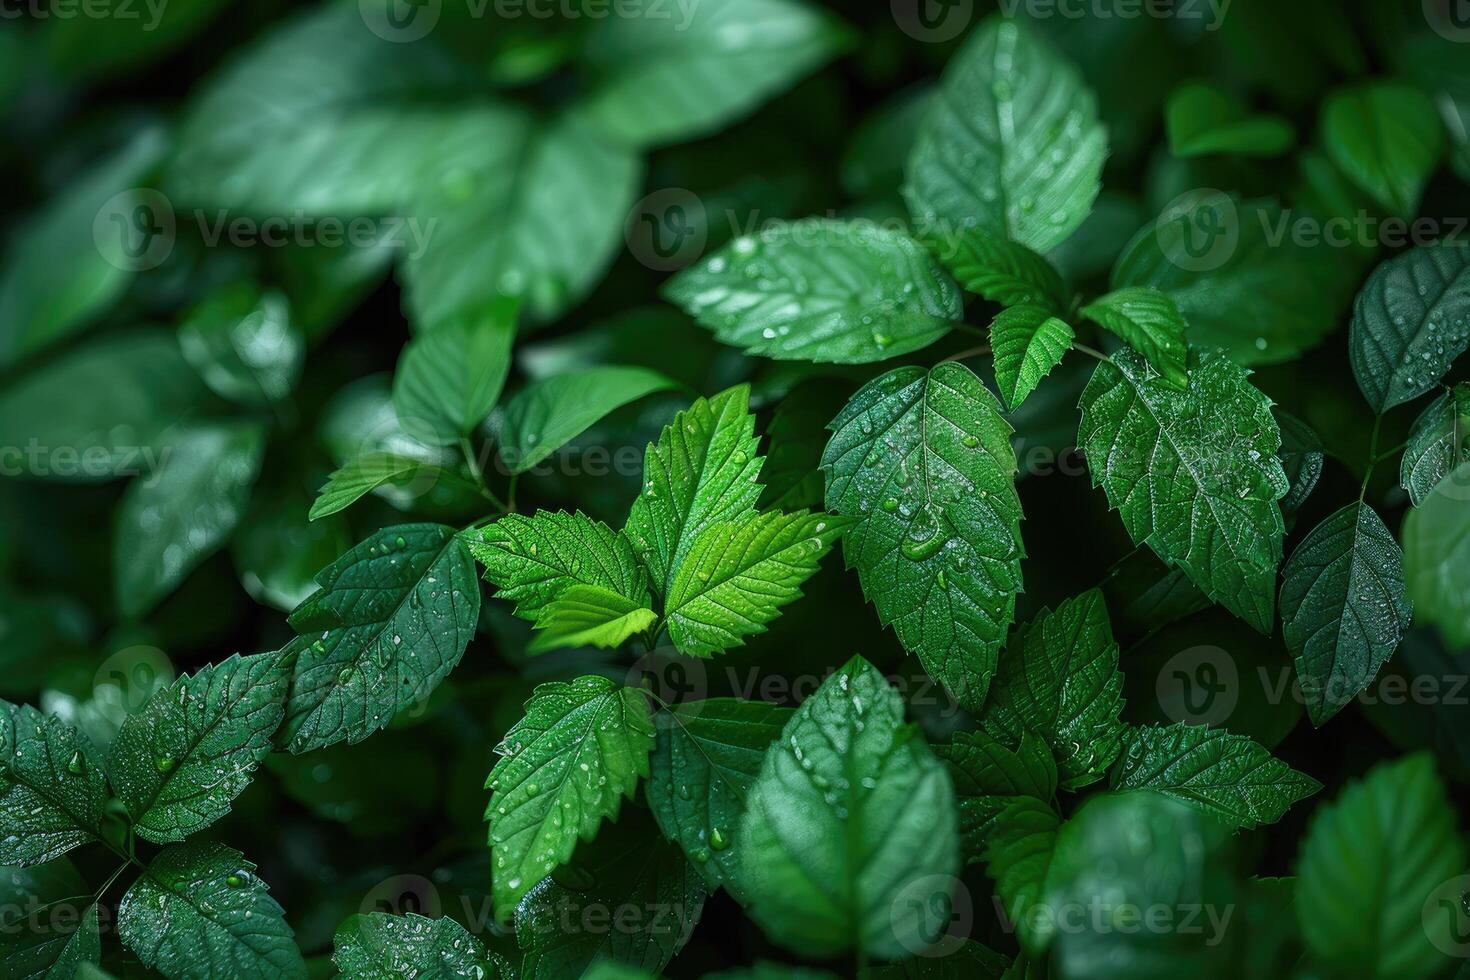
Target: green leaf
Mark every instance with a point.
(535, 560)
(52, 792)
(707, 755)
(546, 415)
(171, 520)
(1193, 474)
(873, 162)
(738, 574)
(449, 378)
(1018, 855)
(1343, 607)
(1013, 145)
(662, 78)
(86, 48)
(199, 908)
(538, 220)
(849, 814)
(39, 940)
(390, 620)
(359, 477)
(1202, 120)
(1149, 321)
(1436, 538)
(244, 344)
(1028, 342)
(1437, 443)
(1002, 271)
(1368, 870)
(138, 385)
(840, 292)
(68, 263)
(379, 946)
(179, 762)
(1240, 276)
(1059, 678)
(796, 437)
(1411, 321)
(640, 886)
(589, 615)
(923, 461)
(702, 470)
(1227, 776)
(1302, 457)
(988, 776)
(1387, 138)
(566, 766)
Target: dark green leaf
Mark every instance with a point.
(1018, 853)
(1437, 444)
(1150, 321)
(1386, 137)
(1201, 119)
(548, 414)
(52, 792)
(244, 345)
(379, 946)
(1301, 457)
(1436, 537)
(988, 776)
(1002, 271)
(449, 378)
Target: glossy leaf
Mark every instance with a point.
(1002, 271)
(1150, 322)
(1437, 443)
(1027, 342)
(449, 378)
(375, 944)
(988, 776)
(52, 791)
(244, 345)
(589, 615)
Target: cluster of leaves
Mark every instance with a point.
(808, 383)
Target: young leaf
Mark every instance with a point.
(1411, 321)
(1387, 138)
(359, 477)
(566, 766)
(703, 469)
(1150, 321)
(391, 619)
(1436, 537)
(662, 79)
(138, 385)
(376, 944)
(1343, 607)
(707, 755)
(244, 344)
(1239, 276)
(643, 886)
(1193, 474)
(1027, 342)
(548, 414)
(923, 461)
(589, 615)
(1018, 854)
(1059, 678)
(535, 560)
(1368, 867)
(179, 762)
(988, 776)
(1301, 457)
(449, 378)
(52, 792)
(738, 574)
(172, 520)
(1001, 270)
(199, 908)
(849, 810)
(1202, 120)
(538, 220)
(840, 292)
(1437, 443)
(1227, 776)
(1013, 144)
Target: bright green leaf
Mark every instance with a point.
(359, 477)
(589, 615)
(449, 378)
(1149, 321)
(1028, 342)
(548, 414)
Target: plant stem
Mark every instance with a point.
(968, 352)
(473, 462)
(1373, 458)
(1090, 352)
